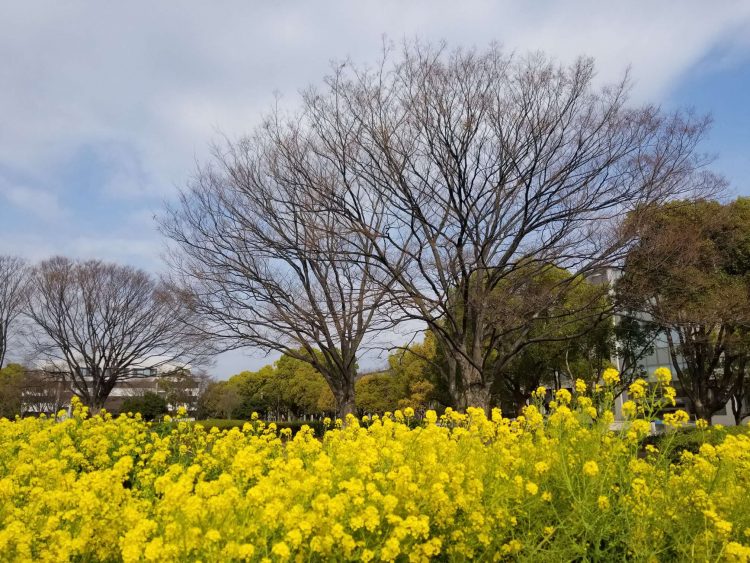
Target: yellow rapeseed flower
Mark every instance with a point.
(590, 468)
(663, 375)
(637, 389)
(118, 488)
(676, 419)
(629, 409)
(611, 376)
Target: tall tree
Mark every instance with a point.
(97, 324)
(289, 387)
(690, 275)
(220, 399)
(487, 168)
(14, 285)
(406, 383)
(269, 265)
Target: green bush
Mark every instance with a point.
(150, 405)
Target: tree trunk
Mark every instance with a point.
(737, 408)
(345, 400)
(521, 400)
(703, 410)
(475, 393)
(96, 405)
(451, 378)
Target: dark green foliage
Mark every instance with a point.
(11, 389)
(690, 274)
(220, 399)
(150, 405)
(570, 337)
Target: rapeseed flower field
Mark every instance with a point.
(556, 484)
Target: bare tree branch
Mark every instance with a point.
(267, 261)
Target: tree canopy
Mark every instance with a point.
(690, 275)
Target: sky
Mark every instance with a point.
(107, 108)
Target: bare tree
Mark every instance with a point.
(270, 265)
(44, 392)
(14, 283)
(97, 324)
(182, 388)
(492, 168)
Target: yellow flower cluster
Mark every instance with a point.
(556, 485)
(647, 400)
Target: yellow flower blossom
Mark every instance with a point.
(611, 376)
(663, 375)
(563, 397)
(637, 389)
(282, 550)
(629, 409)
(676, 419)
(590, 468)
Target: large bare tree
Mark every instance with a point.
(14, 284)
(490, 169)
(96, 324)
(270, 265)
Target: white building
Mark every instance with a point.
(54, 390)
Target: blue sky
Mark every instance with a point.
(105, 109)
(722, 90)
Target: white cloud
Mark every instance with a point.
(161, 78)
(36, 202)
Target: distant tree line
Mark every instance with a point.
(292, 389)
